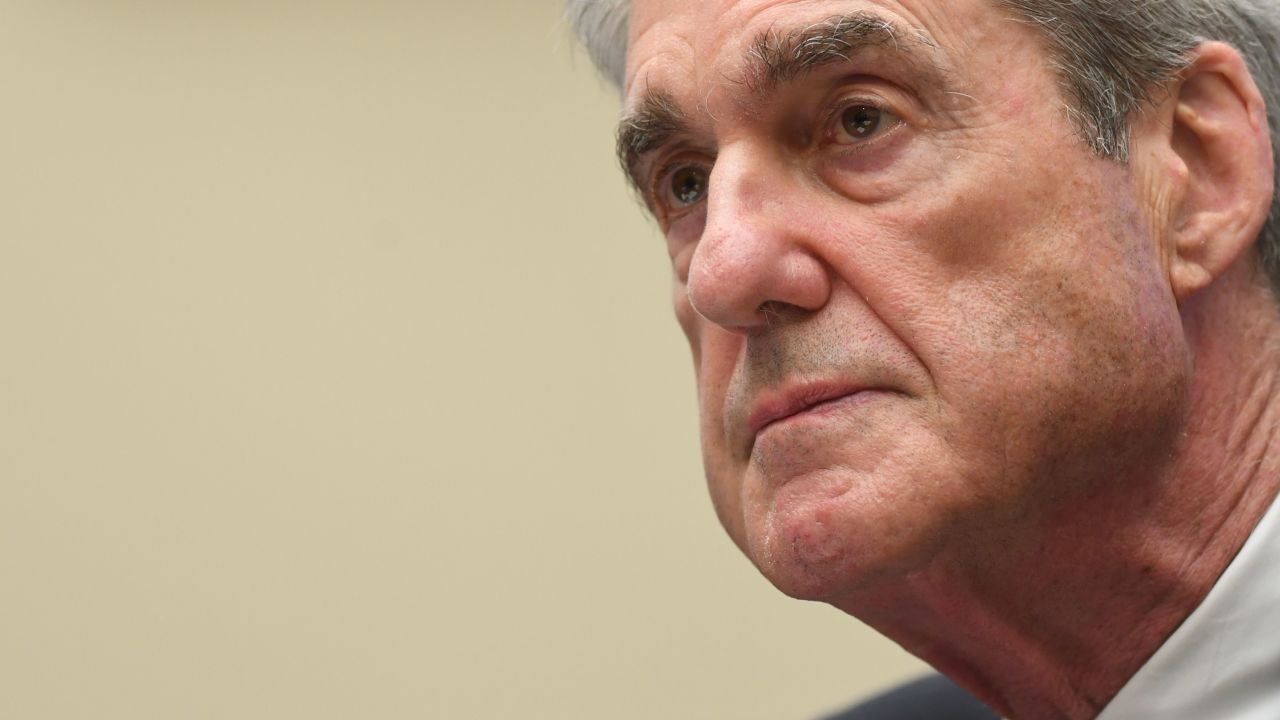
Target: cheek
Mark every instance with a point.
(715, 357)
(716, 353)
(998, 254)
(1037, 306)
(688, 318)
(1071, 308)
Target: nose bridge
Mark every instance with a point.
(754, 250)
(743, 186)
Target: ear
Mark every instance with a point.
(1221, 136)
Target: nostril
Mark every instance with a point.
(775, 312)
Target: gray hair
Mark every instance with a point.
(1110, 55)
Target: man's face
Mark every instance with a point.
(926, 320)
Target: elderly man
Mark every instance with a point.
(981, 299)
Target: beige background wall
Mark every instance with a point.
(338, 381)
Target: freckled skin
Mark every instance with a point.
(1057, 405)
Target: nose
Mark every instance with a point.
(757, 260)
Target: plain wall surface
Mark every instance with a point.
(339, 380)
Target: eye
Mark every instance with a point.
(863, 122)
(687, 186)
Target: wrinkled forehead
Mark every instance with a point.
(678, 46)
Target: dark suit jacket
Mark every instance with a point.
(930, 698)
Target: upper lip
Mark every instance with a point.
(774, 405)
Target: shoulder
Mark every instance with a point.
(933, 697)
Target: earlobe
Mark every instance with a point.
(1221, 136)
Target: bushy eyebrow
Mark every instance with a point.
(655, 121)
(773, 60)
(776, 59)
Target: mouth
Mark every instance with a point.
(775, 407)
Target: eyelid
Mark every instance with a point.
(655, 193)
(655, 183)
(845, 102)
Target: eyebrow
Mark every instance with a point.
(773, 60)
(776, 59)
(655, 121)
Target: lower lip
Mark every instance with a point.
(823, 409)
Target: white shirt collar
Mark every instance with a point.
(1223, 663)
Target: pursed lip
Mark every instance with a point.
(776, 405)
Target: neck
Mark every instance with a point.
(1054, 627)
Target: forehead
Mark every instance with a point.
(679, 45)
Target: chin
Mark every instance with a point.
(828, 548)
